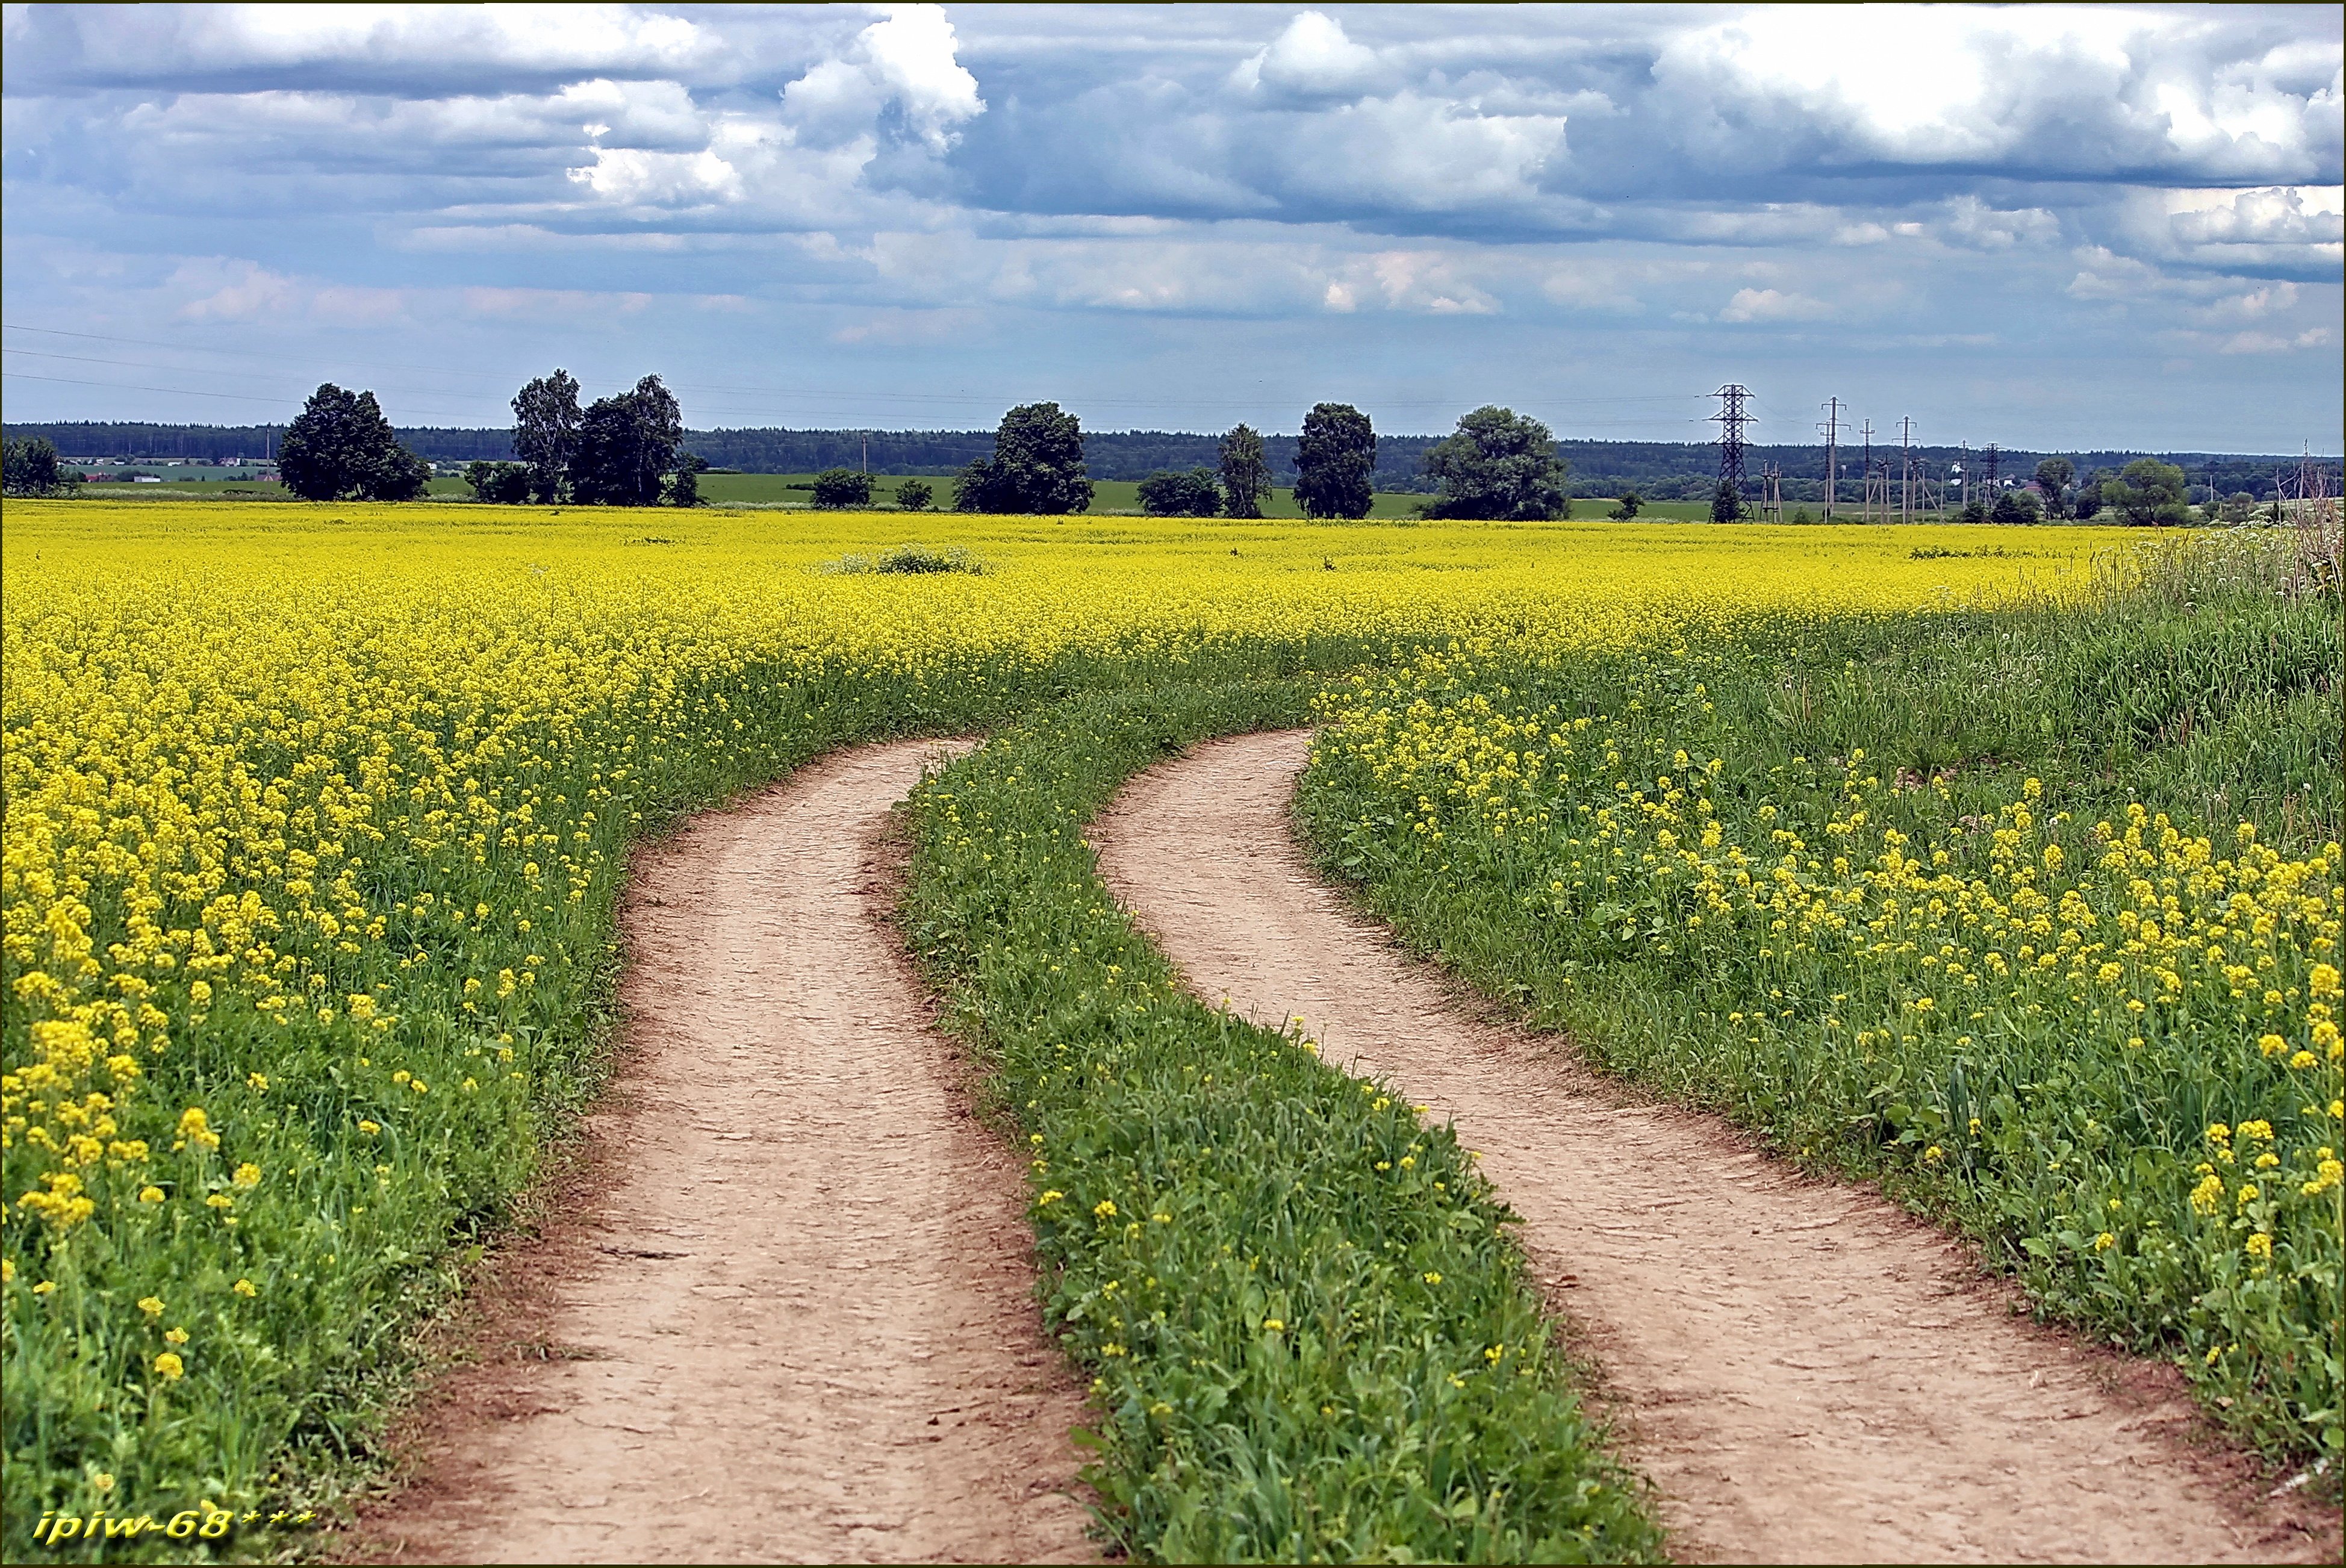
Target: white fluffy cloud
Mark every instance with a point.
(1870, 176)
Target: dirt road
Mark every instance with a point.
(1806, 1374)
(793, 1318)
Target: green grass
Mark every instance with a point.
(1311, 1335)
(1901, 892)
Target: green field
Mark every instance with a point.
(1110, 496)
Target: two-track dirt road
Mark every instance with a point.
(794, 1319)
(1806, 1374)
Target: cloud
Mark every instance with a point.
(1313, 59)
(905, 62)
(389, 43)
(1773, 305)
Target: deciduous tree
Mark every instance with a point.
(2147, 494)
(914, 495)
(1245, 474)
(340, 448)
(2054, 476)
(1037, 466)
(32, 468)
(1499, 464)
(627, 447)
(1334, 460)
(546, 433)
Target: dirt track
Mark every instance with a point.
(1806, 1374)
(792, 1319)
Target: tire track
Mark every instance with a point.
(793, 1319)
(1806, 1373)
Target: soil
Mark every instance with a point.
(1804, 1372)
(787, 1311)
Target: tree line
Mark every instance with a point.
(1656, 470)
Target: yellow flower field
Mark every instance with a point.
(314, 817)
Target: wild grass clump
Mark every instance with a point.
(1310, 1334)
(910, 561)
(2033, 915)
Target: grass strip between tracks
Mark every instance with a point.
(1310, 1334)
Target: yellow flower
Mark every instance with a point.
(169, 1366)
(151, 1305)
(196, 1128)
(176, 1335)
(150, 1193)
(1432, 1276)
(370, 1128)
(2260, 1246)
(44, 1287)
(1273, 1326)
(2105, 1241)
(1104, 1208)
(245, 1287)
(247, 1174)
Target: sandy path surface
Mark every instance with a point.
(1806, 1374)
(792, 1319)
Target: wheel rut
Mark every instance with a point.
(791, 1316)
(1805, 1373)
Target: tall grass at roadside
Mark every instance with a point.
(1310, 1334)
(2034, 915)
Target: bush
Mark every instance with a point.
(500, 483)
(2015, 508)
(842, 490)
(914, 495)
(1196, 494)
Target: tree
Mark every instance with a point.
(627, 447)
(841, 489)
(1333, 462)
(504, 484)
(914, 495)
(2239, 507)
(1499, 466)
(1165, 494)
(1727, 502)
(2054, 476)
(2147, 494)
(546, 433)
(2013, 508)
(1037, 466)
(2087, 503)
(32, 468)
(1974, 510)
(340, 448)
(684, 479)
(1245, 474)
(1627, 507)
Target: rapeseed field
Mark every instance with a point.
(2034, 916)
(315, 818)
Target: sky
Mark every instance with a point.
(2042, 226)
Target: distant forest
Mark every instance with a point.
(1658, 470)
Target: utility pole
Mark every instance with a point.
(1906, 470)
(866, 465)
(1731, 420)
(1831, 430)
(1993, 456)
(1868, 433)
